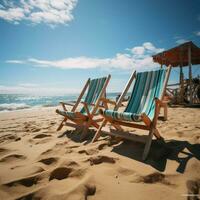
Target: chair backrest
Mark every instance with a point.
(94, 91)
(148, 86)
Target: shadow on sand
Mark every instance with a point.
(161, 151)
(75, 136)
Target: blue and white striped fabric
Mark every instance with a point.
(66, 113)
(148, 86)
(94, 90)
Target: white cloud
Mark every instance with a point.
(138, 50)
(52, 12)
(146, 48)
(138, 58)
(151, 48)
(36, 89)
(15, 61)
(181, 41)
(197, 33)
(29, 85)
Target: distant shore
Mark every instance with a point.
(11, 102)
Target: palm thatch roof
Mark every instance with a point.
(179, 55)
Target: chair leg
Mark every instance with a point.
(157, 134)
(148, 145)
(61, 124)
(84, 132)
(93, 123)
(165, 112)
(98, 133)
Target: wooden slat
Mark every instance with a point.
(86, 108)
(166, 81)
(72, 125)
(101, 95)
(133, 75)
(67, 103)
(81, 95)
(175, 84)
(99, 131)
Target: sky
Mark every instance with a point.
(54, 46)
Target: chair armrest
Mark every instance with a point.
(161, 103)
(67, 103)
(88, 104)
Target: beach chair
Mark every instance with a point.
(144, 105)
(84, 118)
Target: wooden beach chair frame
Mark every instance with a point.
(81, 121)
(149, 124)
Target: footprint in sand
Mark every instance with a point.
(28, 196)
(3, 151)
(13, 158)
(63, 172)
(90, 190)
(125, 171)
(69, 163)
(52, 123)
(60, 173)
(35, 129)
(101, 159)
(40, 136)
(61, 144)
(102, 145)
(61, 150)
(31, 127)
(49, 161)
(88, 151)
(27, 182)
(48, 151)
(84, 190)
(73, 146)
(193, 187)
(32, 170)
(9, 137)
(155, 177)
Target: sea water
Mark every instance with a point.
(11, 102)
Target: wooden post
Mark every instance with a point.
(181, 86)
(181, 83)
(161, 66)
(190, 72)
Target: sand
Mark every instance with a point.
(36, 162)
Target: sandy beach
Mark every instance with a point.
(36, 162)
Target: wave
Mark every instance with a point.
(13, 106)
(28, 98)
(49, 105)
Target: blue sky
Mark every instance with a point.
(51, 46)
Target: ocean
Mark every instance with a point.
(11, 102)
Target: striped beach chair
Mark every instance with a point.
(84, 118)
(144, 105)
